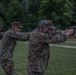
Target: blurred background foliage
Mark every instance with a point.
(29, 12)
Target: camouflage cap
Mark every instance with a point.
(1, 25)
(17, 24)
(48, 23)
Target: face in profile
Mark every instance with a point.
(45, 29)
(17, 29)
(51, 29)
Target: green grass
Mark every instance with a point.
(67, 43)
(71, 39)
(62, 60)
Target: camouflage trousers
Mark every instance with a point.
(35, 73)
(33, 70)
(8, 67)
(36, 68)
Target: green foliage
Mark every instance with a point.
(2, 13)
(15, 11)
(29, 12)
(60, 11)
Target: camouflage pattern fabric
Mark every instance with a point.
(8, 67)
(39, 50)
(7, 48)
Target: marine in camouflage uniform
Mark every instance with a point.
(39, 50)
(8, 45)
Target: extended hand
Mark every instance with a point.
(70, 32)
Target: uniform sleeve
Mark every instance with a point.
(54, 38)
(19, 36)
(58, 37)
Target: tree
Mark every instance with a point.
(15, 11)
(60, 11)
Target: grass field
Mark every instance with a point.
(67, 44)
(62, 60)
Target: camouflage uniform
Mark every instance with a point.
(7, 48)
(39, 50)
